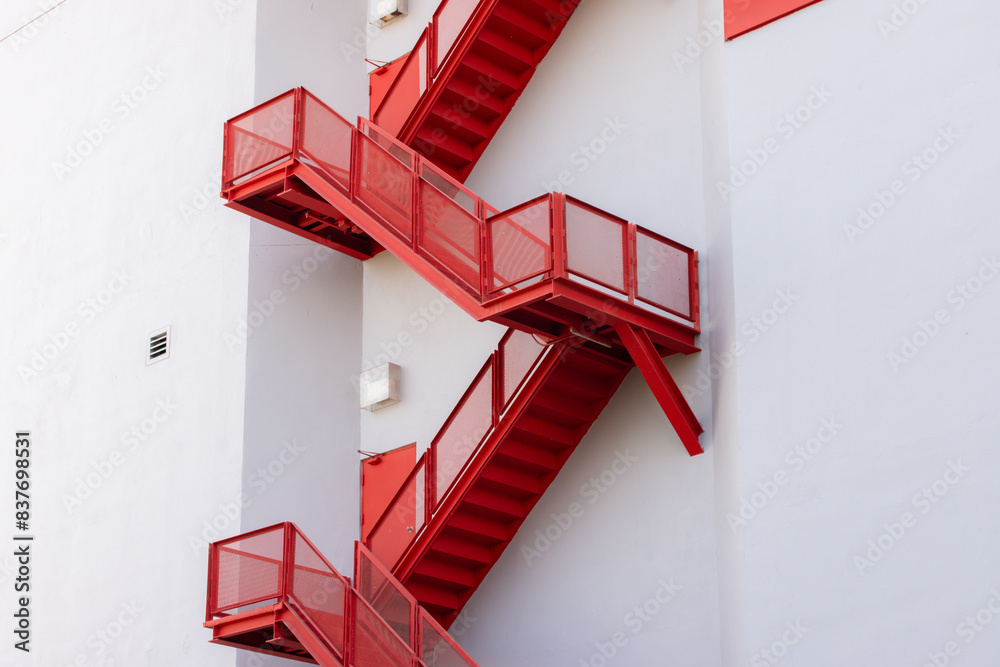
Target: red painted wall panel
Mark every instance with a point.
(379, 81)
(381, 477)
(745, 15)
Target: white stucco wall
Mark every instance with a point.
(111, 228)
(300, 460)
(892, 94)
(126, 236)
(301, 360)
(607, 73)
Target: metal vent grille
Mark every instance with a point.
(159, 346)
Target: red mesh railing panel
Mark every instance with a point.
(663, 274)
(450, 236)
(520, 244)
(519, 353)
(260, 138)
(248, 570)
(385, 185)
(320, 592)
(449, 20)
(447, 185)
(375, 643)
(326, 139)
(386, 595)
(595, 246)
(402, 519)
(438, 649)
(465, 429)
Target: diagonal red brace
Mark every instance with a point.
(645, 356)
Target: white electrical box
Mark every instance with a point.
(379, 387)
(387, 11)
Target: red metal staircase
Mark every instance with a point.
(553, 266)
(448, 97)
(271, 591)
(503, 444)
(587, 296)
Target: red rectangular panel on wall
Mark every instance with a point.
(745, 15)
(380, 80)
(381, 477)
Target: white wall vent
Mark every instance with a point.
(159, 346)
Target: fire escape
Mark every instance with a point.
(586, 295)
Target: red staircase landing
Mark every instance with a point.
(271, 591)
(554, 265)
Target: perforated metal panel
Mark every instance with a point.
(459, 439)
(520, 245)
(449, 20)
(438, 649)
(386, 596)
(450, 236)
(385, 185)
(519, 352)
(595, 246)
(249, 570)
(458, 193)
(320, 592)
(326, 138)
(375, 643)
(662, 274)
(261, 138)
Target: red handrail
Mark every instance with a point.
(463, 247)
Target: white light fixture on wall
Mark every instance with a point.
(379, 387)
(386, 11)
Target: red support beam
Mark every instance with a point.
(645, 356)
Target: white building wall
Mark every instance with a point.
(126, 236)
(610, 74)
(301, 359)
(897, 84)
(300, 460)
(112, 228)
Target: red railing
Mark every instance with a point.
(488, 254)
(450, 20)
(363, 625)
(456, 443)
(259, 138)
(423, 64)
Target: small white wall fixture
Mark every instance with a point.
(384, 12)
(379, 387)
